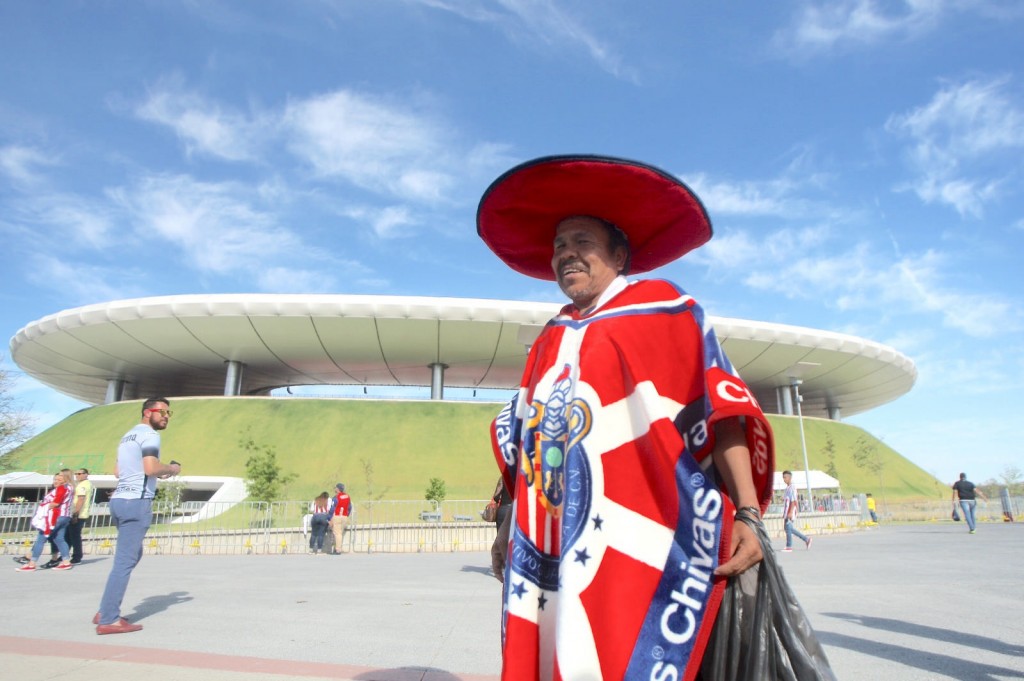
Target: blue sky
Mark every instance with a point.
(861, 161)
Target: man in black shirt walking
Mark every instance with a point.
(964, 492)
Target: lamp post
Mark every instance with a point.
(803, 440)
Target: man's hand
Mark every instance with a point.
(744, 548)
(499, 549)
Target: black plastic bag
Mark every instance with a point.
(761, 632)
(956, 515)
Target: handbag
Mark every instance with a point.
(956, 515)
(761, 631)
(490, 512)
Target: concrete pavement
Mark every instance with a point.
(916, 602)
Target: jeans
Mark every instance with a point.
(132, 517)
(74, 536)
(790, 531)
(968, 506)
(56, 539)
(317, 531)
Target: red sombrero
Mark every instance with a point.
(660, 216)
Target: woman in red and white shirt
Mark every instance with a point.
(45, 520)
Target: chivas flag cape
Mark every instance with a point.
(618, 519)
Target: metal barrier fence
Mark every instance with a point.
(381, 526)
(277, 527)
(986, 511)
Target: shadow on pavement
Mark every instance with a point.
(151, 605)
(941, 665)
(933, 633)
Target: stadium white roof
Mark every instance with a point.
(181, 346)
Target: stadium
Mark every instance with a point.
(229, 364)
(232, 345)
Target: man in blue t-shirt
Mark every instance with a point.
(131, 507)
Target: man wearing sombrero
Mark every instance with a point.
(631, 443)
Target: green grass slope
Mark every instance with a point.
(405, 443)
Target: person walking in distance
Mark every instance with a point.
(61, 534)
(340, 511)
(965, 493)
(131, 507)
(46, 518)
(789, 511)
(79, 514)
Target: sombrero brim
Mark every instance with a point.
(519, 212)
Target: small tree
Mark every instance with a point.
(372, 494)
(170, 492)
(1012, 477)
(15, 423)
(829, 451)
(867, 456)
(436, 492)
(263, 476)
(168, 496)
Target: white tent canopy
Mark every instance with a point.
(22, 480)
(26, 479)
(819, 480)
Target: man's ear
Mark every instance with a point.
(620, 259)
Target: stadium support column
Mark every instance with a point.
(437, 380)
(233, 381)
(115, 390)
(784, 395)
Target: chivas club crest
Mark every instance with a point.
(553, 429)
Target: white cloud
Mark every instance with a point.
(374, 145)
(806, 264)
(746, 198)
(214, 224)
(393, 149)
(956, 137)
(289, 280)
(203, 126)
(50, 222)
(537, 21)
(828, 24)
(19, 163)
(391, 220)
(80, 220)
(80, 282)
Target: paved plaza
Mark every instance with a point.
(912, 602)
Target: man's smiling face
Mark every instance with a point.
(583, 261)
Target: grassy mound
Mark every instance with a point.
(390, 449)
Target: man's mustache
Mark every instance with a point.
(576, 263)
